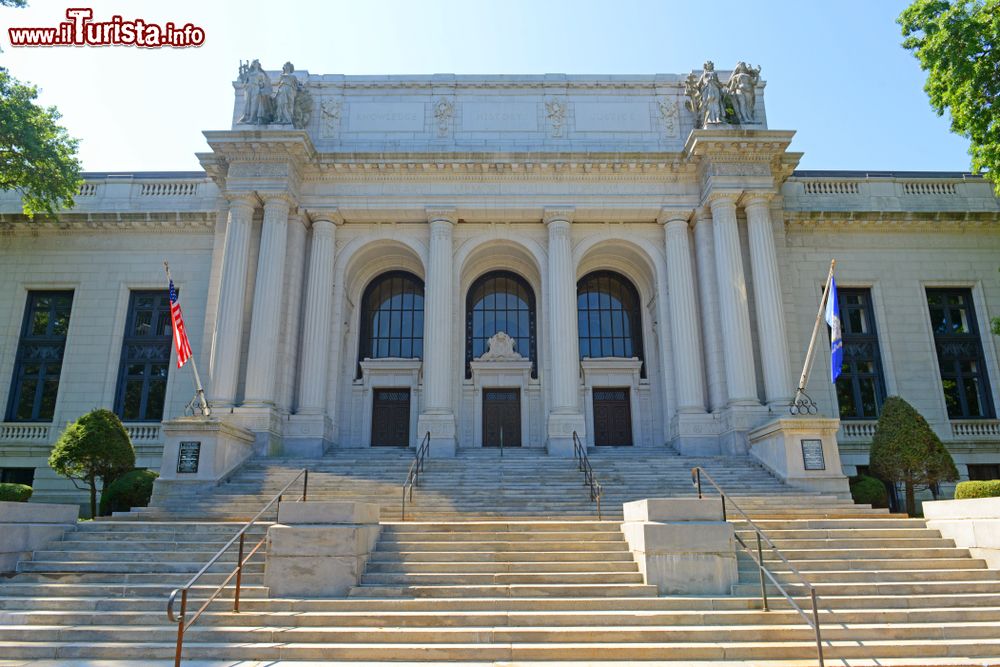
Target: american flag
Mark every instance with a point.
(180, 335)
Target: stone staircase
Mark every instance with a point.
(549, 583)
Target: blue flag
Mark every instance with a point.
(836, 341)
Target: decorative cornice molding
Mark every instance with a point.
(558, 214)
(442, 214)
(671, 214)
(889, 221)
(110, 222)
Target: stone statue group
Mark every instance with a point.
(715, 103)
(288, 103)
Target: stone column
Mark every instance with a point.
(229, 331)
(316, 327)
(767, 296)
(708, 296)
(265, 325)
(438, 417)
(564, 344)
(733, 308)
(684, 328)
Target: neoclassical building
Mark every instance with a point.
(634, 259)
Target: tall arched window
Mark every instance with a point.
(392, 318)
(500, 301)
(609, 317)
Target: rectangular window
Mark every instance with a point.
(861, 386)
(984, 471)
(145, 362)
(24, 476)
(35, 382)
(960, 353)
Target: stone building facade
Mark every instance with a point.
(656, 263)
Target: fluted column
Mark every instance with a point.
(767, 296)
(229, 330)
(733, 307)
(708, 296)
(316, 327)
(438, 417)
(684, 329)
(265, 328)
(564, 344)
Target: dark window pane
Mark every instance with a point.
(26, 400)
(960, 353)
(154, 399)
(499, 301)
(133, 400)
(392, 317)
(860, 387)
(38, 362)
(145, 363)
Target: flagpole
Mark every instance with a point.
(806, 404)
(199, 391)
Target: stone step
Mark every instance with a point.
(131, 567)
(512, 557)
(461, 578)
(840, 564)
(508, 590)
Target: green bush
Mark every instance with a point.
(979, 489)
(15, 493)
(133, 489)
(94, 446)
(906, 450)
(867, 490)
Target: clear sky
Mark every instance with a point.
(835, 71)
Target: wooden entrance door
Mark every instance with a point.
(612, 416)
(501, 410)
(391, 417)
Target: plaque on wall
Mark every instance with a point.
(188, 454)
(812, 455)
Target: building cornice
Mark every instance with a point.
(198, 221)
(892, 220)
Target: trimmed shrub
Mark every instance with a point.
(906, 450)
(94, 446)
(15, 493)
(133, 489)
(978, 489)
(867, 490)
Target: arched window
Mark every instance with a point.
(500, 301)
(609, 317)
(392, 318)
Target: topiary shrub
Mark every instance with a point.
(133, 489)
(978, 489)
(15, 493)
(905, 450)
(867, 490)
(94, 446)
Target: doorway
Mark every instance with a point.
(612, 416)
(391, 417)
(501, 417)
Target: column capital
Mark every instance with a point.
(242, 198)
(442, 214)
(668, 215)
(723, 197)
(757, 198)
(702, 214)
(558, 214)
(277, 197)
(331, 215)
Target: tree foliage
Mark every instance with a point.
(957, 42)
(95, 446)
(978, 489)
(906, 450)
(133, 489)
(37, 156)
(15, 493)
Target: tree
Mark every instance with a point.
(956, 43)
(94, 446)
(905, 450)
(37, 156)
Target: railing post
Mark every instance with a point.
(819, 638)
(180, 628)
(305, 484)
(239, 576)
(697, 476)
(723, 506)
(760, 563)
(501, 442)
(402, 509)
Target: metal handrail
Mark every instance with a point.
(758, 559)
(182, 627)
(413, 475)
(589, 479)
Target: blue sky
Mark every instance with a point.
(835, 71)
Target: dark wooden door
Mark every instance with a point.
(501, 410)
(612, 417)
(391, 418)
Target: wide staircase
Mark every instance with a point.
(505, 560)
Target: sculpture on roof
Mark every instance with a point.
(714, 103)
(291, 104)
(256, 94)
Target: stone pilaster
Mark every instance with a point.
(294, 276)
(767, 296)
(708, 294)
(733, 307)
(564, 347)
(438, 416)
(265, 325)
(229, 331)
(316, 327)
(684, 327)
